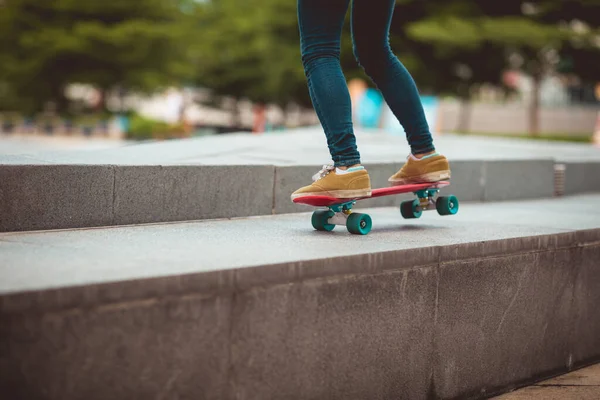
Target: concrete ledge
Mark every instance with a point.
(179, 193)
(518, 179)
(41, 197)
(457, 321)
(582, 177)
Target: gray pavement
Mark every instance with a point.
(34, 144)
(583, 384)
(39, 260)
(305, 146)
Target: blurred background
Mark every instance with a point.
(163, 69)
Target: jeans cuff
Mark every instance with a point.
(346, 163)
(421, 150)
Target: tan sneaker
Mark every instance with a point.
(329, 181)
(430, 168)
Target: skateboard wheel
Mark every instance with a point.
(446, 205)
(320, 220)
(411, 209)
(359, 224)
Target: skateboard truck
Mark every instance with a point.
(342, 212)
(426, 198)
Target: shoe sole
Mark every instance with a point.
(338, 194)
(431, 177)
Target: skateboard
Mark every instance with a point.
(339, 211)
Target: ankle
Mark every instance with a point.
(421, 155)
(346, 167)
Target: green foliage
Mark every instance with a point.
(251, 48)
(142, 128)
(136, 44)
(487, 37)
(447, 31)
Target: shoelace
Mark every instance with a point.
(323, 172)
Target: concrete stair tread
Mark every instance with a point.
(56, 259)
(497, 297)
(240, 175)
(305, 146)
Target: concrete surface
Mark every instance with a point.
(357, 337)
(11, 144)
(307, 146)
(582, 177)
(511, 318)
(518, 179)
(587, 328)
(583, 384)
(38, 197)
(171, 181)
(39, 260)
(495, 297)
(178, 193)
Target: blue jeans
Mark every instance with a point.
(320, 23)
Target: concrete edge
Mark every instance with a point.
(82, 196)
(463, 328)
(213, 283)
(581, 177)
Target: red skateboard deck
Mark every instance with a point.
(326, 201)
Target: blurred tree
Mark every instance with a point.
(579, 56)
(448, 57)
(530, 35)
(44, 45)
(250, 49)
(262, 36)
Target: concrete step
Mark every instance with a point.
(246, 175)
(498, 296)
(42, 197)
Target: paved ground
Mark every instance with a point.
(303, 146)
(36, 144)
(38, 260)
(583, 384)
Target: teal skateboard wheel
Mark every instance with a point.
(320, 220)
(446, 205)
(411, 209)
(359, 224)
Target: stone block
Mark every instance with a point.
(40, 197)
(586, 306)
(503, 321)
(502, 247)
(92, 296)
(345, 337)
(467, 180)
(357, 264)
(172, 348)
(287, 181)
(518, 179)
(149, 194)
(582, 177)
